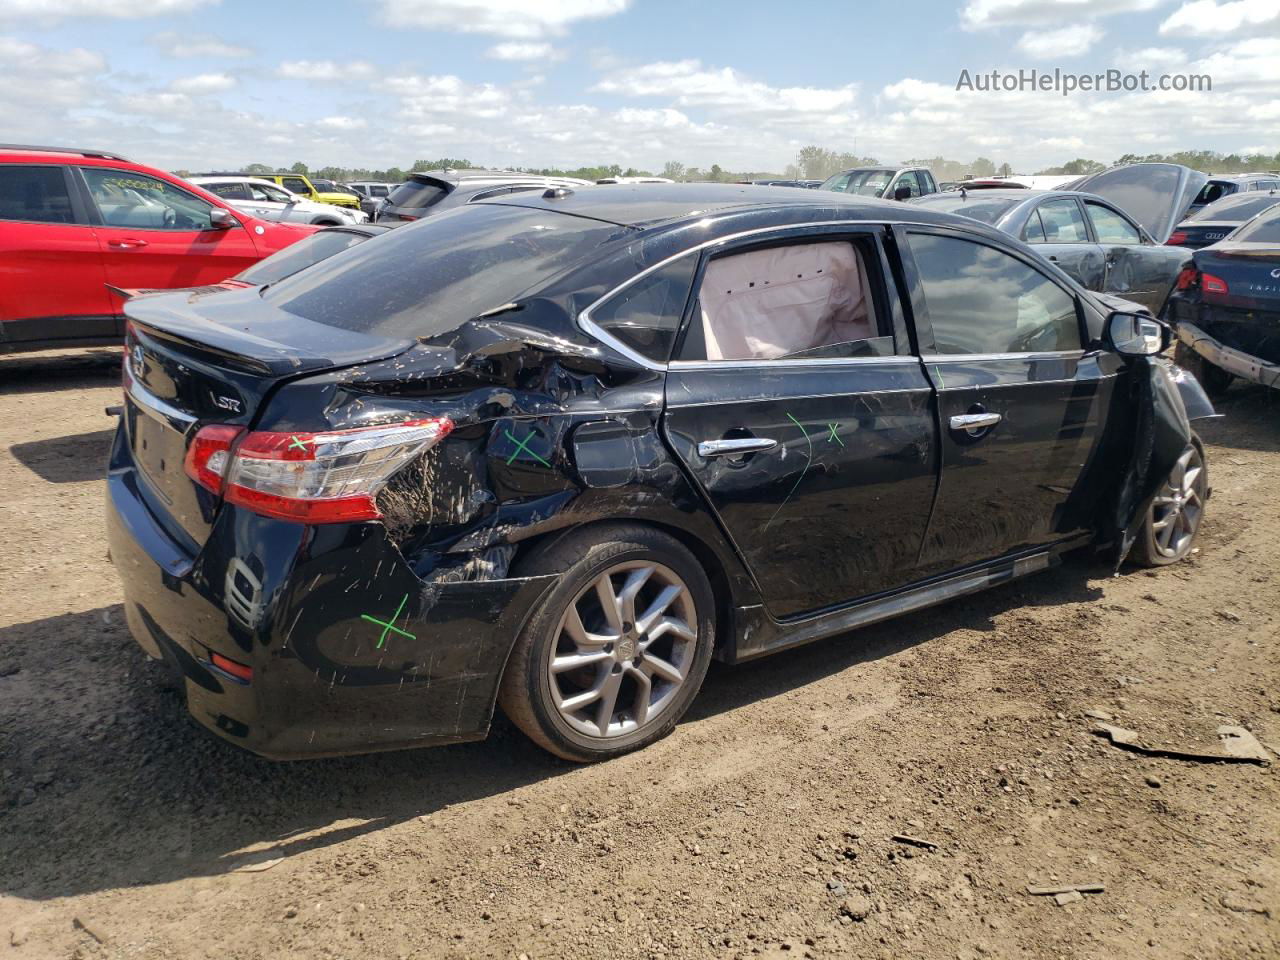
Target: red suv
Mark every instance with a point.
(76, 223)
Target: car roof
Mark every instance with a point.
(656, 203)
(24, 151)
(497, 176)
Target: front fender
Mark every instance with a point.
(1194, 398)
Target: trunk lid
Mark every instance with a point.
(1157, 195)
(192, 359)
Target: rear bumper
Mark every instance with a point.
(1234, 361)
(294, 603)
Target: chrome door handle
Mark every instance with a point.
(729, 448)
(974, 421)
(129, 244)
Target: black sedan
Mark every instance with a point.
(1226, 308)
(1091, 236)
(1209, 224)
(556, 451)
(434, 191)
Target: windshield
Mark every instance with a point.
(867, 183)
(417, 194)
(429, 278)
(297, 256)
(987, 209)
(1265, 229)
(1236, 209)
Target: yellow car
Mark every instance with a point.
(300, 184)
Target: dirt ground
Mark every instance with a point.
(761, 827)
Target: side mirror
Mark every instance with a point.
(220, 219)
(902, 193)
(1136, 335)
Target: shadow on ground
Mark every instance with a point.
(62, 370)
(108, 784)
(73, 459)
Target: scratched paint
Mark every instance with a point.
(808, 463)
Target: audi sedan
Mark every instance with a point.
(610, 435)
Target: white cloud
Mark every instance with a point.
(184, 46)
(528, 50)
(1151, 59)
(49, 10)
(688, 83)
(978, 14)
(40, 83)
(1066, 42)
(342, 123)
(1250, 64)
(503, 18)
(203, 83)
(1208, 18)
(327, 70)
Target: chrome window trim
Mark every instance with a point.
(895, 360)
(971, 357)
(589, 326)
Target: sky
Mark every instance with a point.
(217, 84)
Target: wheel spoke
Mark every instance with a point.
(1162, 522)
(636, 579)
(578, 633)
(573, 661)
(1189, 479)
(609, 603)
(662, 669)
(664, 599)
(1166, 536)
(644, 690)
(579, 700)
(670, 625)
(608, 701)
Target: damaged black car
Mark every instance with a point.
(556, 451)
(1226, 308)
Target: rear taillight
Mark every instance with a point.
(210, 454)
(1211, 284)
(1177, 238)
(330, 477)
(1186, 278)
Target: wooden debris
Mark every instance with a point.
(79, 924)
(1065, 888)
(1129, 740)
(914, 841)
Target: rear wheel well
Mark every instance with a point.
(326, 222)
(704, 554)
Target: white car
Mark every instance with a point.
(267, 200)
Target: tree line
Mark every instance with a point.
(811, 163)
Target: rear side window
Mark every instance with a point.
(982, 300)
(646, 315)
(1061, 222)
(1110, 226)
(34, 194)
(431, 277)
(416, 194)
(228, 191)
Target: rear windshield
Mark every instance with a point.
(987, 209)
(1266, 229)
(416, 193)
(296, 256)
(867, 183)
(430, 277)
(1236, 209)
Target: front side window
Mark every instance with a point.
(296, 185)
(1062, 222)
(377, 191)
(126, 198)
(800, 301)
(909, 181)
(265, 194)
(34, 194)
(981, 300)
(1110, 226)
(646, 315)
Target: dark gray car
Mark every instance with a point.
(428, 193)
(1107, 248)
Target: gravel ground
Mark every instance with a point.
(761, 827)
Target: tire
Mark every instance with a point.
(1215, 380)
(1173, 522)
(670, 653)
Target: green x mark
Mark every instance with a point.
(833, 427)
(295, 443)
(523, 445)
(389, 625)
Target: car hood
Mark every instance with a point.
(343, 198)
(1157, 195)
